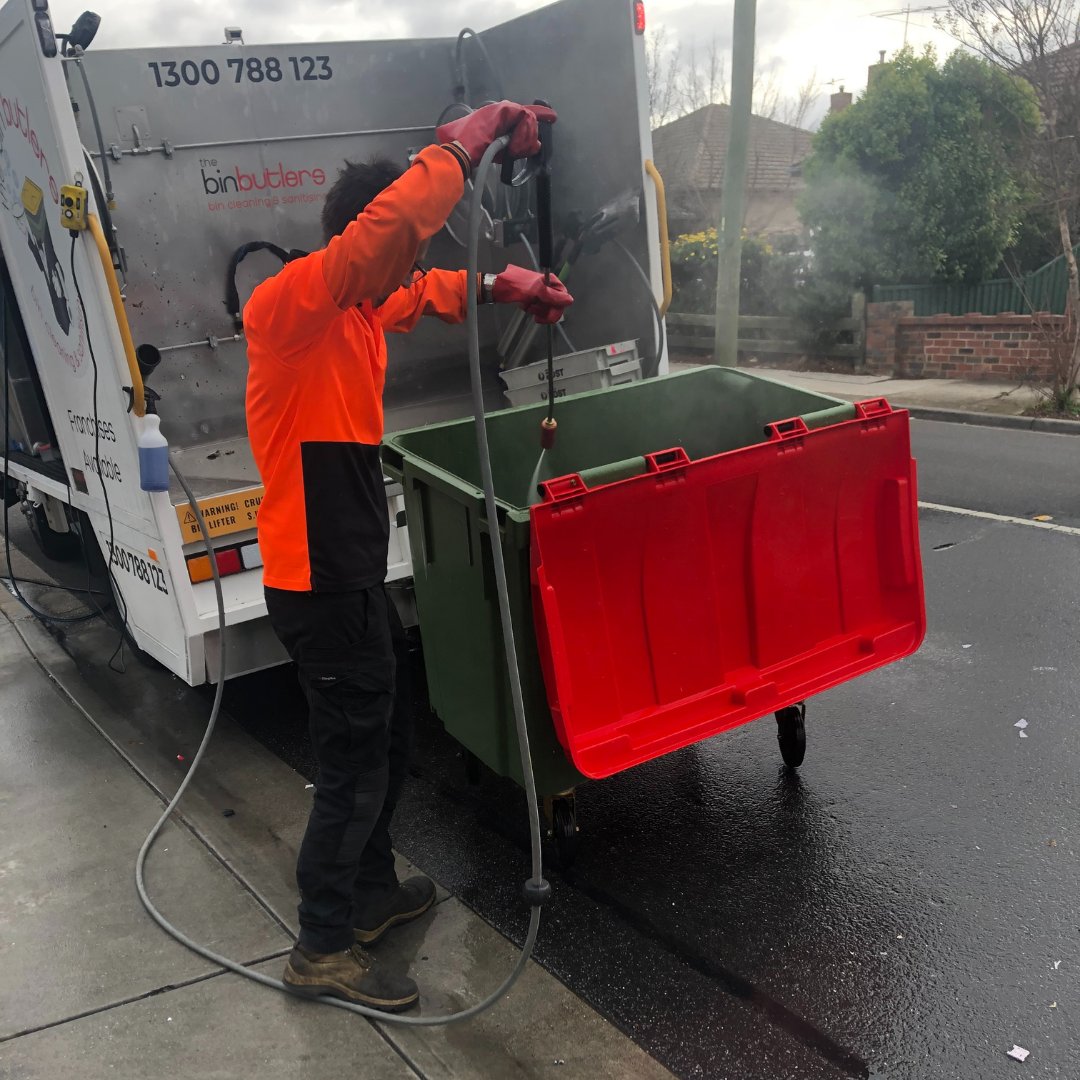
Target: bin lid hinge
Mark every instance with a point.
(663, 460)
(872, 407)
(787, 429)
(563, 488)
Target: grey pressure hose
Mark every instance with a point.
(491, 508)
(657, 314)
(537, 890)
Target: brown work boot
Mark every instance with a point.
(413, 897)
(352, 975)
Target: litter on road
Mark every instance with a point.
(1019, 1053)
(1021, 723)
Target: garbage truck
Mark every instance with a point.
(198, 164)
(695, 551)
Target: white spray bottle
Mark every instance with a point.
(153, 452)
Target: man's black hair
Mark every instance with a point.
(355, 187)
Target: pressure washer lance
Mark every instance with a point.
(536, 890)
(546, 246)
(540, 168)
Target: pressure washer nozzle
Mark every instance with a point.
(548, 427)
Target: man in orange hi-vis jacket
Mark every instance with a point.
(317, 366)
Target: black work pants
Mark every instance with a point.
(343, 646)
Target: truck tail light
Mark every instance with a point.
(639, 16)
(229, 561)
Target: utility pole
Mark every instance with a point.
(733, 194)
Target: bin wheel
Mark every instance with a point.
(564, 829)
(791, 734)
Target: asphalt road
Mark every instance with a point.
(1017, 473)
(897, 909)
(904, 907)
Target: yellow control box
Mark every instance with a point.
(73, 207)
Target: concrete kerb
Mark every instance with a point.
(1045, 424)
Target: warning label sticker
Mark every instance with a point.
(224, 514)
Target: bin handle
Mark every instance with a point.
(787, 429)
(562, 487)
(663, 460)
(865, 410)
(558, 651)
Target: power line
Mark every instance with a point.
(907, 12)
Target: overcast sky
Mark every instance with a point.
(837, 39)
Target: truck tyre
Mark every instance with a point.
(58, 546)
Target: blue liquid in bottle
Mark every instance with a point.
(153, 455)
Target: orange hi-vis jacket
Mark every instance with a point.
(316, 371)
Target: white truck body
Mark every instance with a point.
(207, 149)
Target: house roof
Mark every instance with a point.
(1054, 71)
(690, 152)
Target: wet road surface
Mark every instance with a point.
(894, 910)
(903, 907)
(1016, 473)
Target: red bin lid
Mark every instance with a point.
(704, 594)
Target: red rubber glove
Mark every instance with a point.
(544, 301)
(477, 131)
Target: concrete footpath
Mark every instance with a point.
(1002, 399)
(959, 400)
(91, 988)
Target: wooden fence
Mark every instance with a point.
(771, 335)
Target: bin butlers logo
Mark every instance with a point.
(17, 115)
(28, 192)
(225, 181)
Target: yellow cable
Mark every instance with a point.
(139, 395)
(665, 240)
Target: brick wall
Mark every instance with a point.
(882, 324)
(1004, 347)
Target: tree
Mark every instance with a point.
(681, 81)
(794, 111)
(1039, 41)
(663, 67)
(924, 178)
(705, 81)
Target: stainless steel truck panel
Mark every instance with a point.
(206, 149)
